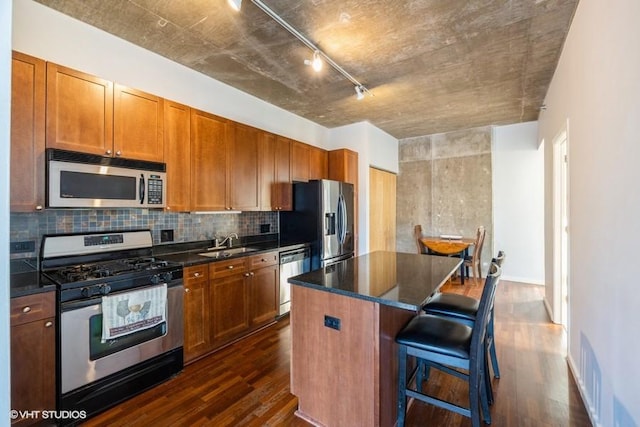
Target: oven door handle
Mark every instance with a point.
(141, 189)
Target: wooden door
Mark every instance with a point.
(263, 295)
(79, 111)
(267, 156)
(229, 300)
(27, 133)
(282, 188)
(382, 210)
(137, 125)
(243, 169)
(318, 163)
(197, 335)
(177, 156)
(209, 143)
(299, 161)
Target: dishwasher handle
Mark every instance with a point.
(294, 255)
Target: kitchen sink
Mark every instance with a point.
(227, 252)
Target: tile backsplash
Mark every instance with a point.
(186, 226)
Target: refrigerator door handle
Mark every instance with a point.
(342, 219)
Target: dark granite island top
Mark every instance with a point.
(397, 279)
(344, 319)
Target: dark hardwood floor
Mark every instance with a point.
(247, 384)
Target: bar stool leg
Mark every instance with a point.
(402, 385)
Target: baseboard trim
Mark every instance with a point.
(574, 372)
(547, 307)
(527, 280)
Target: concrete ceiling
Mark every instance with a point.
(432, 65)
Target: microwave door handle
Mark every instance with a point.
(141, 189)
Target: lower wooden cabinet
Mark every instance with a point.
(226, 300)
(33, 362)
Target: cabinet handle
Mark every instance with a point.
(230, 267)
(48, 324)
(196, 274)
(246, 274)
(108, 152)
(251, 274)
(187, 290)
(263, 260)
(39, 207)
(26, 309)
(118, 153)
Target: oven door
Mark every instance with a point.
(84, 358)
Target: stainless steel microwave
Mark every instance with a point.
(80, 180)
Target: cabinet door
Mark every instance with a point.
(267, 156)
(79, 111)
(229, 307)
(282, 189)
(343, 166)
(263, 295)
(209, 142)
(27, 133)
(299, 161)
(318, 163)
(137, 124)
(177, 156)
(244, 169)
(197, 335)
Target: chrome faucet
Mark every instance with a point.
(217, 244)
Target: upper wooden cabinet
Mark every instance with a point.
(275, 173)
(343, 166)
(27, 133)
(299, 161)
(85, 114)
(137, 124)
(79, 111)
(177, 155)
(210, 137)
(318, 163)
(243, 168)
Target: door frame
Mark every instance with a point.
(561, 227)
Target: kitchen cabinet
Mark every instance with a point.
(197, 316)
(27, 132)
(264, 292)
(243, 169)
(177, 155)
(85, 113)
(229, 299)
(275, 173)
(299, 161)
(33, 354)
(318, 163)
(210, 137)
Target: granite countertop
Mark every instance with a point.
(397, 279)
(25, 279)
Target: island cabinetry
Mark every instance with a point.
(27, 132)
(197, 319)
(33, 354)
(86, 113)
(177, 155)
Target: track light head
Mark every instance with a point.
(235, 4)
(359, 92)
(316, 62)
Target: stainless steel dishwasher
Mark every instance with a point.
(292, 263)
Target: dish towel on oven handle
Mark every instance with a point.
(129, 312)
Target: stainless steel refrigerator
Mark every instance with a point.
(323, 216)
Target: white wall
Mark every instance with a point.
(5, 102)
(375, 148)
(518, 201)
(597, 89)
(53, 36)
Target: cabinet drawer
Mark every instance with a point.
(227, 268)
(196, 273)
(263, 260)
(32, 307)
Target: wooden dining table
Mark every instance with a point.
(440, 245)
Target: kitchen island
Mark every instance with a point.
(344, 319)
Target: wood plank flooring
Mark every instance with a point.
(247, 384)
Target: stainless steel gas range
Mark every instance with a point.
(120, 317)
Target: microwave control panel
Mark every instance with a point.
(154, 190)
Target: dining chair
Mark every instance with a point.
(465, 309)
(451, 347)
(473, 261)
(417, 235)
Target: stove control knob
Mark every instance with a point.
(86, 292)
(167, 277)
(155, 279)
(105, 289)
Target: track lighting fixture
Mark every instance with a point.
(318, 55)
(235, 4)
